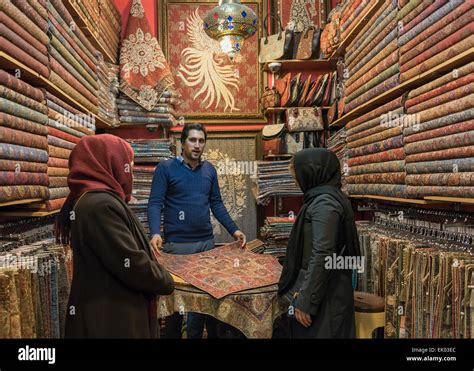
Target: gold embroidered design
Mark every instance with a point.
(137, 9)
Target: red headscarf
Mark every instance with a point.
(96, 162)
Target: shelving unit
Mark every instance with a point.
(404, 87)
(461, 200)
(395, 199)
(20, 202)
(322, 65)
(27, 213)
(34, 78)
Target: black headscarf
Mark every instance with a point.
(318, 172)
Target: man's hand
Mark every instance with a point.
(302, 317)
(238, 235)
(156, 243)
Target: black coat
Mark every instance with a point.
(326, 294)
(115, 278)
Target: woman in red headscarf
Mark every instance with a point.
(115, 276)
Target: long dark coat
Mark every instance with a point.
(115, 278)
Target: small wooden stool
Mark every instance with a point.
(369, 313)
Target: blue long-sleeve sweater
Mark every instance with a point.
(187, 197)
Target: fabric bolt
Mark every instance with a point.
(19, 110)
(52, 98)
(20, 86)
(392, 190)
(374, 132)
(22, 138)
(12, 304)
(381, 178)
(69, 121)
(432, 14)
(420, 191)
(22, 178)
(381, 146)
(138, 114)
(445, 43)
(58, 142)
(375, 80)
(24, 166)
(15, 152)
(381, 167)
(57, 171)
(58, 152)
(450, 52)
(62, 135)
(31, 13)
(24, 21)
(408, 8)
(443, 166)
(443, 33)
(20, 192)
(441, 132)
(442, 179)
(56, 125)
(440, 122)
(55, 193)
(461, 104)
(353, 19)
(15, 39)
(57, 181)
(147, 120)
(59, 81)
(377, 90)
(22, 99)
(445, 154)
(81, 118)
(435, 144)
(22, 33)
(373, 126)
(394, 104)
(130, 110)
(448, 86)
(390, 155)
(406, 20)
(58, 162)
(387, 133)
(20, 55)
(55, 205)
(23, 284)
(18, 123)
(39, 8)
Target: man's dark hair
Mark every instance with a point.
(194, 126)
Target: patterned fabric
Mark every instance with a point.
(22, 138)
(56, 125)
(408, 8)
(421, 191)
(79, 118)
(56, 181)
(60, 142)
(55, 205)
(31, 13)
(444, 166)
(22, 99)
(381, 146)
(20, 86)
(373, 126)
(396, 103)
(15, 152)
(441, 132)
(12, 165)
(435, 144)
(17, 53)
(377, 90)
(55, 193)
(447, 108)
(62, 135)
(450, 153)
(19, 110)
(377, 189)
(57, 171)
(58, 152)
(382, 178)
(442, 179)
(440, 122)
(252, 311)
(375, 80)
(385, 134)
(23, 178)
(20, 192)
(390, 155)
(407, 19)
(143, 77)
(58, 162)
(381, 167)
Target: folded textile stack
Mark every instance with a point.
(352, 12)
(72, 57)
(23, 141)
(131, 113)
(415, 275)
(337, 143)
(274, 179)
(440, 31)
(142, 178)
(440, 147)
(66, 126)
(108, 90)
(104, 22)
(151, 150)
(23, 27)
(372, 58)
(34, 291)
(276, 232)
(376, 158)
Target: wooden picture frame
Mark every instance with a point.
(213, 90)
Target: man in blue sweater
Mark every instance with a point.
(187, 189)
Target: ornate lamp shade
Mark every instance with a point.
(230, 23)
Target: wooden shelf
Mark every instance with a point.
(413, 83)
(469, 201)
(356, 30)
(272, 110)
(84, 26)
(37, 80)
(323, 65)
(20, 202)
(27, 213)
(395, 199)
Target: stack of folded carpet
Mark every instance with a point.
(66, 126)
(151, 150)
(432, 33)
(276, 232)
(376, 158)
(23, 27)
(372, 58)
(274, 179)
(34, 290)
(23, 141)
(131, 113)
(72, 57)
(352, 12)
(142, 178)
(108, 90)
(440, 148)
(104, 22)
(337, 143)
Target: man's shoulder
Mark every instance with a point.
(167, 163)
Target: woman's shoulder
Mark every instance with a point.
(325, 202)
(99, 201)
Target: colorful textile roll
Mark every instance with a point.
(406, 20)
(22, 178)
(57, 171)
(421, 191)
(391, 190)
(62, 135)
(441, 132)
(20, 55)
(390, 155)
(21, 192)
(375, 125)
(55, 193)
(436, 144)
(52, 205)
(381, 146)
(31, 167)
(381, 167)
(18, 123)
(394, 104)
(442, 179)
(23, 138)
(58, 152)
(64, 128)
(31, 13)
(20, 86)
(19, 98)
(15, 152)
(387, 133)
(443, 166)
(58, 142)
(22, 33)
(375, 80)
(440, 122)
(58, 162)
(445, 154)
(70, 121)
(447, 108)
(56, 181)
(381, 178)
(19, 110)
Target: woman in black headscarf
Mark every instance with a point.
(322, 296)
